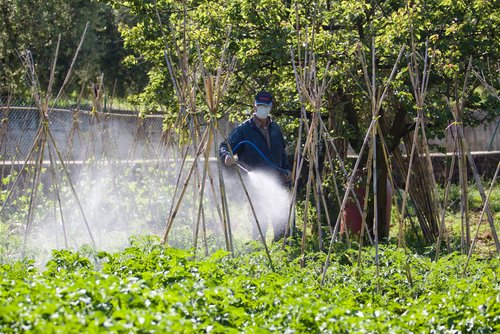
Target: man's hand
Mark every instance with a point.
(288, 176)
(229, 160)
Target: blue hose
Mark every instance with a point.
(260, 153)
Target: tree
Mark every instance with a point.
(35, 26)
(264, 31)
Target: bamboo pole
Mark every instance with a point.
(408, 177)
(316, 181)
(321, 197)
(398, 214)
(305, 217)
(464, 153)
(299, 154)
(482, 193)
(469, 255)
(34, 187)
(202, 188)
(173, 214)
(365, 204)
(344, 201)
(335, 186)
(226, 222)
(52, 168)
(70, 70)
(295, 176)
(387, 160)
(345, 173)
(72, 187)
(176, 188)
(464, 206)
(445, 203)
(375, 115)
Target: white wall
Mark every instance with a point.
(478, 138)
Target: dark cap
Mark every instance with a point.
(264, 98)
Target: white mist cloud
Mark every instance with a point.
(270, 199)
(120, 200)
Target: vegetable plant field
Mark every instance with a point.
(139, 221)
(148, 288)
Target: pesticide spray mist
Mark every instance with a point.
(270, 199)
(120, 199)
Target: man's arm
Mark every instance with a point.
(234, 139)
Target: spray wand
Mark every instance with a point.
(242, 168)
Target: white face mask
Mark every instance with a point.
(262, 111)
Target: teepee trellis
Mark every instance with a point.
(311, 89)
(464, 156)
(214, 88)
(185, 93)
(376, 96)
(428, 205)
(182, 81)
(45, 144)
(141, 141)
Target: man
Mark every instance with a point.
(259, 145)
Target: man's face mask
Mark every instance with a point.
(262, 111)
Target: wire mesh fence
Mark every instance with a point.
(82, 133)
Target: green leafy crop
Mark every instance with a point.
(152, 288)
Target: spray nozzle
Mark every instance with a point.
(242, 168)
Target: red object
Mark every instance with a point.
(352, 217)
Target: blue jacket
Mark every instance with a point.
(247, 154)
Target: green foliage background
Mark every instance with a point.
(34, 26)
(125, 43)
(263, 33)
